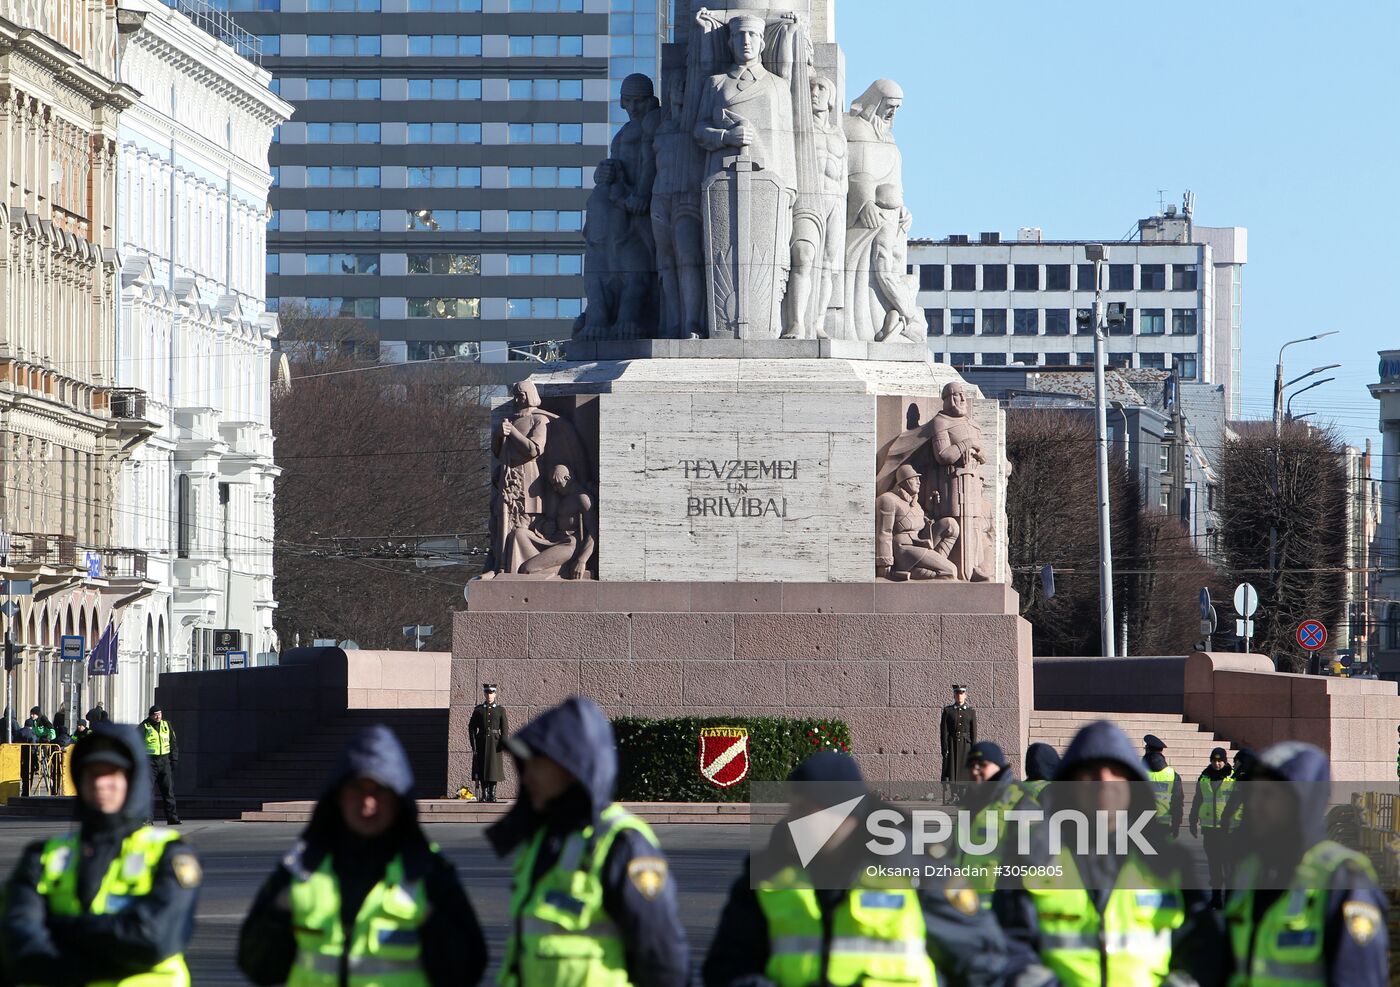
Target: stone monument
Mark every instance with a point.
(748, 489)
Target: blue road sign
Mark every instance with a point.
(1312, 635)
(71, 647)
(1205, 603)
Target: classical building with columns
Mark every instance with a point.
(195, 339)
(66, 426)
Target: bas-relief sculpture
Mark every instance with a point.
(543, 510)
(938, 468)
(781, 218)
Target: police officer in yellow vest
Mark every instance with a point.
(364, 900)
(593, 902)
(1304, 911)
(1166, 783)
(806, 914)
(1042, 761)
(1120, 918)
(113, 903)
(1209, 817)
(164, 752)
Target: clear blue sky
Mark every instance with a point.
(1281, 116)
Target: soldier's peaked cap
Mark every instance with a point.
(488, 687)
(959, 688)
(1154, 743)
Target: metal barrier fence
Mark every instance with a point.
(34, 769)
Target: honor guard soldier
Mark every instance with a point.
(113, 903)
(594, 902)
(363, 899)
(1166, 784)
(164, 753)
(957, 732)
(825, 916)
(486, 729)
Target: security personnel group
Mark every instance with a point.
(365, 899)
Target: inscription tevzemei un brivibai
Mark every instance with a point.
(736, 474)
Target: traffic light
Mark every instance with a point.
(13, 658)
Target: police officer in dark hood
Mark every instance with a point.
(364, 899)
(797, 913)
(1042, 761)
(594, 900)
(1095, 919)
(113, 902)
(1305, 910)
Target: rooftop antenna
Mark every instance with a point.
(1161, 201)
(1188, 203)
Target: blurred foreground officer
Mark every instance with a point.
(363, 900)
(1108, 919)
(1042, 761)
(832, 922)
(594, 903)
(113, 903)
(1306, 911)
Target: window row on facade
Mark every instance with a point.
(424, 45)
(1184, 365)
(1055, 322)
(414, 6)
(435, 307)
(435, 221)
(1056, 277)
(440, 176)
(444, 90)
(532, 264)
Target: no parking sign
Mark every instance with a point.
(1311, 635)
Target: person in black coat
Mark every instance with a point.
(98, 714)
(957, 732)
(49, 950)
(488, 727)
(365, 820)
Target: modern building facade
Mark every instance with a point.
(1385, 548)
(1362, 518)
(196, 340)
(433, 180)
(66, 426)
(995, 303)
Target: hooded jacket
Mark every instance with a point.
(1156, 761)
(45, 949)
(1214, 778)
(967, 949)
(1042, 761)
(1352, 960)
(578, 737)
(1196, 945)
(453, 948)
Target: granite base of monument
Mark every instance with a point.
(880, 656)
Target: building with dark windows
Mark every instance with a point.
(991, 303)
(433, 180)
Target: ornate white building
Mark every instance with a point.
(195, 339)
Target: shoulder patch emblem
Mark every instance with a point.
(187, 869)
(963, 899)
(648, 875)
(1363, 920)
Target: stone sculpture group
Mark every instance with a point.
(748, 207)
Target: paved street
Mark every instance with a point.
(237, 856)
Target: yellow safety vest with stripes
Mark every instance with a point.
(130, 876)
(157, 737)
(561, 936)
(1128, 945)
(382, 950)
(877, 937)
(1285, 948)
(1162, 790)
(1212, 801)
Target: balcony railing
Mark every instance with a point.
(36, 548)
(129, 403)
(212, 21)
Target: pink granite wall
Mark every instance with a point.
(1241, 697)
(882, 657)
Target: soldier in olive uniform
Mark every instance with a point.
(957, 732)
(488, 726)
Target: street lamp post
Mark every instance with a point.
(1278, 378)
(1097, 253)
(1288, 407)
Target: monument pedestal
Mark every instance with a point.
(881, 656)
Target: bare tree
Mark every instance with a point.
(373, 458)
(1290, 492)
(1052, 518)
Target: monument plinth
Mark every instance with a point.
(749, 489)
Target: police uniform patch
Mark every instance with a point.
(187, 869)
(648, 875)
(963, 898)
(1363, 920)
